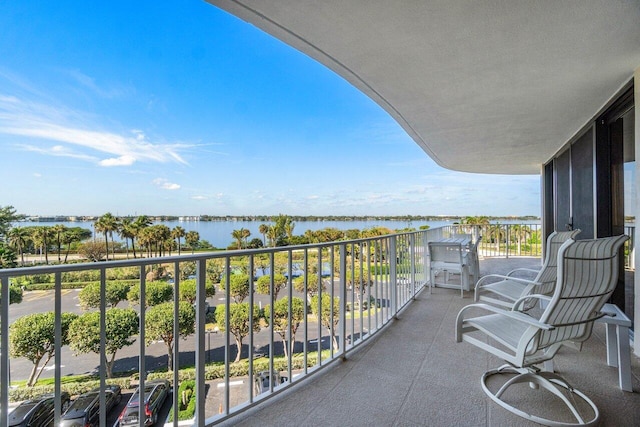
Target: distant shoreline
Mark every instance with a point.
(269, 218)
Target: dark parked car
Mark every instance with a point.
(37, 412)
(85, 410)
(155, 393)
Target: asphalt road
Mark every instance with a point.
(127, 358)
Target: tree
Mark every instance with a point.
(161, 235)
(159, 325)
(18, 238)
(40, 236)
(93, 251)
(32, 337)
(141, 223)
(279, 232)
(240, 285)
(8, 216)
(58, 232)
(497, 233)
(106, 224)
(7, 257)
(178, 233)
(155, 293)
(263, 285)
(127, 231)
(361, 282)
(263, 229)
(281, 320)
(328, 311)
(74, 234)
(121, 325)
(115, 292)
(311, 284)
(255, 243)
(519, 233)
(192, 238)
(239, 325)
(289, 225)
(188, 290)
(238, 237)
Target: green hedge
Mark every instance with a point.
(211, 372)
(73, 388)
(185, 412)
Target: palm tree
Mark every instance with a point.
(192, 238)
(272, 235)
(178, 233)
(127, 231)
(245, 235)
(238, 236)
(40, 238)
(161, 233)
(289, 225)
(18, 237)
(145, 239)
(139, 224)
(107, 224)
(59, 230)
(70, 236)
(497, 233)
(263, 229)
(520, 233)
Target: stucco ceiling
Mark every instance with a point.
(481, 86)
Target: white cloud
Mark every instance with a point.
(118, 161)
(199, 197)
(58, 151)
(112, 91)
(165, 184)
(39, 123)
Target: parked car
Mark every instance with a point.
(85, 410)
(37, 412)
(155, 393)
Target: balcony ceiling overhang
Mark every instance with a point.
(481, 86)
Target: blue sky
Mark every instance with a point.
(178, 108)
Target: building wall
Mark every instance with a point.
(636, 345)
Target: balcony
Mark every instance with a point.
(394, 360)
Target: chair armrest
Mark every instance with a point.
(521, 300)
(526, 270)
(515, 315)
(503, 277)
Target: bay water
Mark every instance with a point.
(218, 233)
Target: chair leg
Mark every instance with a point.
(549, 381)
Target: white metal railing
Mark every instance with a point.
(350, 290)
(369, 280)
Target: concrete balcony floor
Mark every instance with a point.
(415, 374)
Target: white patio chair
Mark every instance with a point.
(474, 260)
(447, 258)
(587, 275)
(504, 290)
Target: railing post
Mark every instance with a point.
(4, 347)
(142, 373)
(201, 321)
(393, 275)
(176, 342)
(103, 338)
(412, 254)
(343, 300)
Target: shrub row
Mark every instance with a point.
(212, 372)
(185, 392)
(73, 388)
